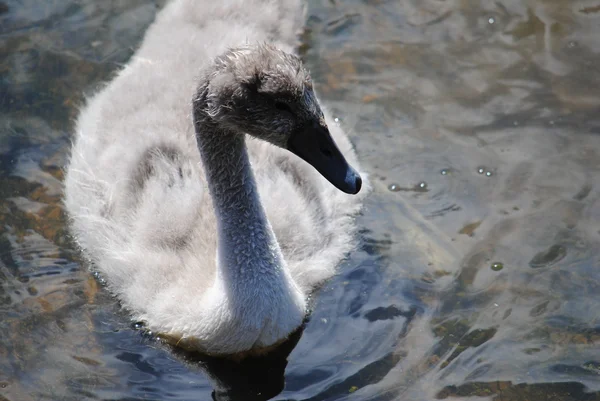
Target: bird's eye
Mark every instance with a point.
(281, 106)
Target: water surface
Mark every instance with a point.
(476, 276)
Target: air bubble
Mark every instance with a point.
(138, 325)
(422, 185)
(491, 20)
(445, 172)
(497, 266)
(394, 187)
(483, 170)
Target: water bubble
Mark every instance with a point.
(138, 325)
(491, 20)
(497, 266)
(483, 170)
(394, 187)
(337, 120)
(99, 278)
(420, 187)
(445, 172)
(149, 334)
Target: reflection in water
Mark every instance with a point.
(482, 284)
(253, 378)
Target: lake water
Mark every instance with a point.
(477, 272)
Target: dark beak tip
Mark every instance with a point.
(354, 184)
(358, 184)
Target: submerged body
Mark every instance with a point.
(222, 270)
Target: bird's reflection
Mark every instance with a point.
(253, 378)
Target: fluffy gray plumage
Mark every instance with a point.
(180, 190)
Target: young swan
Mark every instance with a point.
(205, 268)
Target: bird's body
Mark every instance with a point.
(222, 268)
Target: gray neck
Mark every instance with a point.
(247, 248)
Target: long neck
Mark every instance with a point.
(247, 247)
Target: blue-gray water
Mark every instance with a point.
(477, 272)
